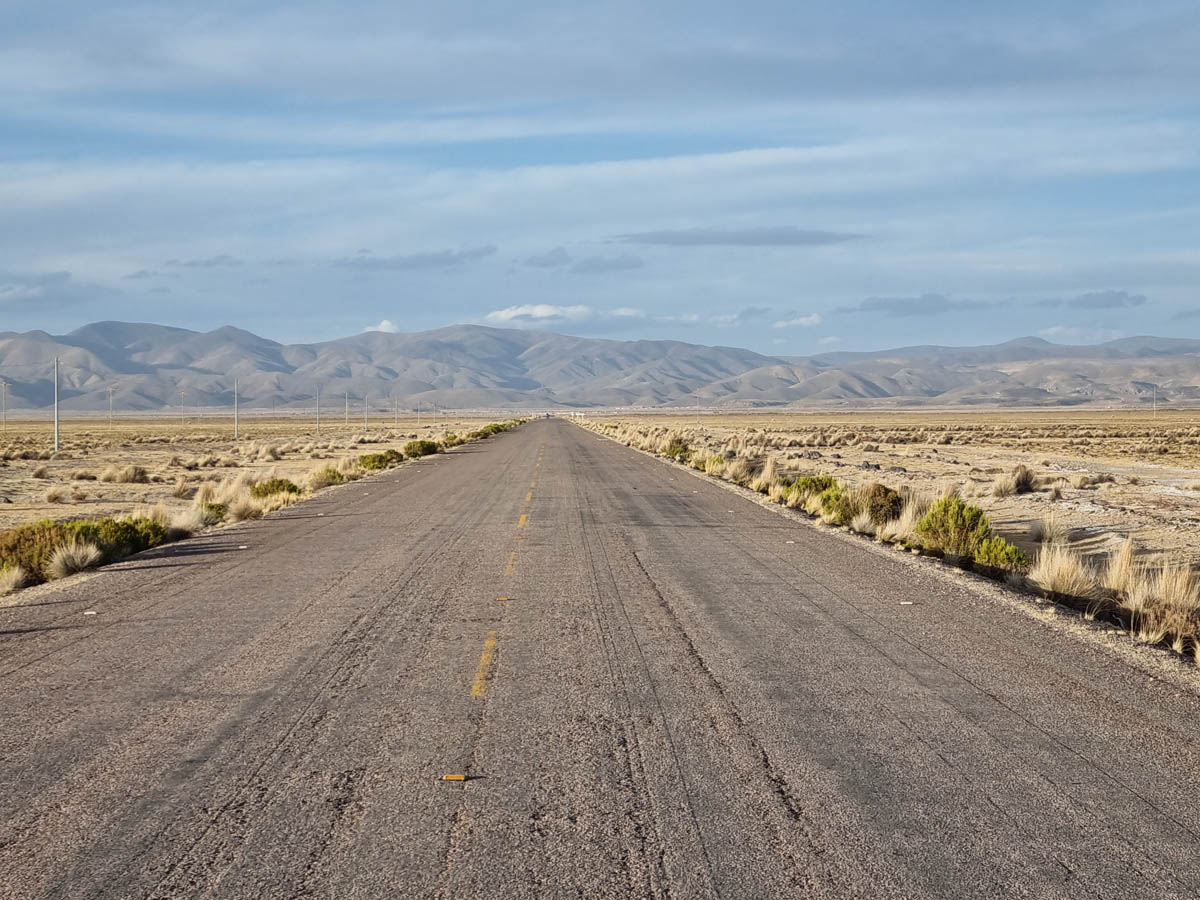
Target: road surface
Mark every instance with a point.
(654, 687)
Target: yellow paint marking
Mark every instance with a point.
(479, 685)
(529, 496)
(521, 521)
(520, 537)
(512, 561)
(502, 599)
(454, 778)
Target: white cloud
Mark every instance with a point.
(829, 340)
(386, 325)
(539, 313)
(812, 320)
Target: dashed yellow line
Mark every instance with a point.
(479, 685)
(533, 484)
(512, 562)
(521, 521)
(529, 496)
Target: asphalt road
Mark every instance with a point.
(655, 687)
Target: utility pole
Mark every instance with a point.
(4, 402)
(56, 404)
(110, 390)
(182, 408)
(318, 409)
(347, 409)
(235, 409)
(364, 410)
(1156, 401)
(418, 413)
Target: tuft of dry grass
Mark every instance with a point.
(243, 509)
(57, 494)
(1122, 572)
(184, 523)
(862, 523)
(12, 579)
(1059, 569)
(1049, 531)
(155, 513)
(125, 475)
(78, 496)
(765, 478)
(73, 557)
(181, 491)
(41, 472)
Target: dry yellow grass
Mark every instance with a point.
(72, 558)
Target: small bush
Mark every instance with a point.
(419, 448)
(953, 526)
(213, 513)
(1048, 531)
(325, 477)
(373, 461)
(57, 494)
(881, 502)
(838, 506)
(995, 551)
(811, 484)
(30, 547)
(273, 486)
(41, 472)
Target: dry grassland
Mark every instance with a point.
(152, 462)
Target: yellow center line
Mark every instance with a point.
(529, 496)
(512, 561)
(533, 484)
(479, 685)
(521, 521)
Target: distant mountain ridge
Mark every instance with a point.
(471, 366)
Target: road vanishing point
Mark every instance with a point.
(545, 665)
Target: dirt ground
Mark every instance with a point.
(1153, 461)
(195, 450)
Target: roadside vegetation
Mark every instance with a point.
(48, 549)
(1155, 599)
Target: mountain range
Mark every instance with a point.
(150, 367)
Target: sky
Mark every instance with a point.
(786, 177)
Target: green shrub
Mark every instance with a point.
(214, 513)
(838, 506)
(953, 526)
(451, 440)
(810, 484)
(118, 538)
(882, 503)
(996, 551)
(276, 486)
(30, 546)
(382, 460)
(417, 449)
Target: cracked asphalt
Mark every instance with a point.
(651, 687)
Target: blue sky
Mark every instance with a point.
(781, 176)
